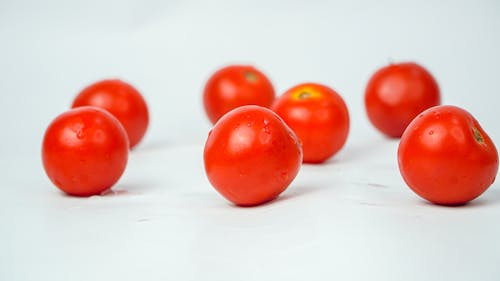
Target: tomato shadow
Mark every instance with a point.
(298, 191)
(115, 192)
(135, 188)
(287, 196)
(130, 189)
(490, 198)
(106, 193)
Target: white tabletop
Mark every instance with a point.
(352, 218)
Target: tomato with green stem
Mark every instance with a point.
(233, 86)
(319, 117)
(446, 157)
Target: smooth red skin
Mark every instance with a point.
(396, 94)
(321, 124)
(230, 87)
(251, 156)
(123, 101)
(85, 151)
(441, 160)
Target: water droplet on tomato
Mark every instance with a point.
(267, 130)
(284, 175)
(265, 136)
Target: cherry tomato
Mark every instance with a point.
(251, 155)
(445, 156)
(319, 117)
(396, 94)
(123, 101)
(234, 86)
(85, 151)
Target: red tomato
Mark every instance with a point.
(445, 156)
(123, 101)
(234, 86)
(85, 151)
(319, 117)
(396, 94)
(251, 155)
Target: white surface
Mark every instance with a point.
(350, 219)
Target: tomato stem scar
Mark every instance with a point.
(477, 135)
(304, 95)
(250, 76)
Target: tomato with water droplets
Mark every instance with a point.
(446, 157)
(251, 155)
(85, 151)
(123, 101)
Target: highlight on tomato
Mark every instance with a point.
(123, 101)
(233, 86)
(85, 151)
(319, 117)
(446, 157)
(397, 93)
(251, 155)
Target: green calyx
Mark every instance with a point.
(250, 76)
(304, 95)
(477, 135)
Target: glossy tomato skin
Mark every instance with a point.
(319, 117)
(446, 157)
(251, 156)
(123, 101)
(233, 86)
(396, 94)
(85, 151)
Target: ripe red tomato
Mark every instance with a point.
(123, 101)
(319, 117)
(445, 156)
(234, 86)
(396, 94)
(85, 151)
(251, 155)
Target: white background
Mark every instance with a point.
(352, 218)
